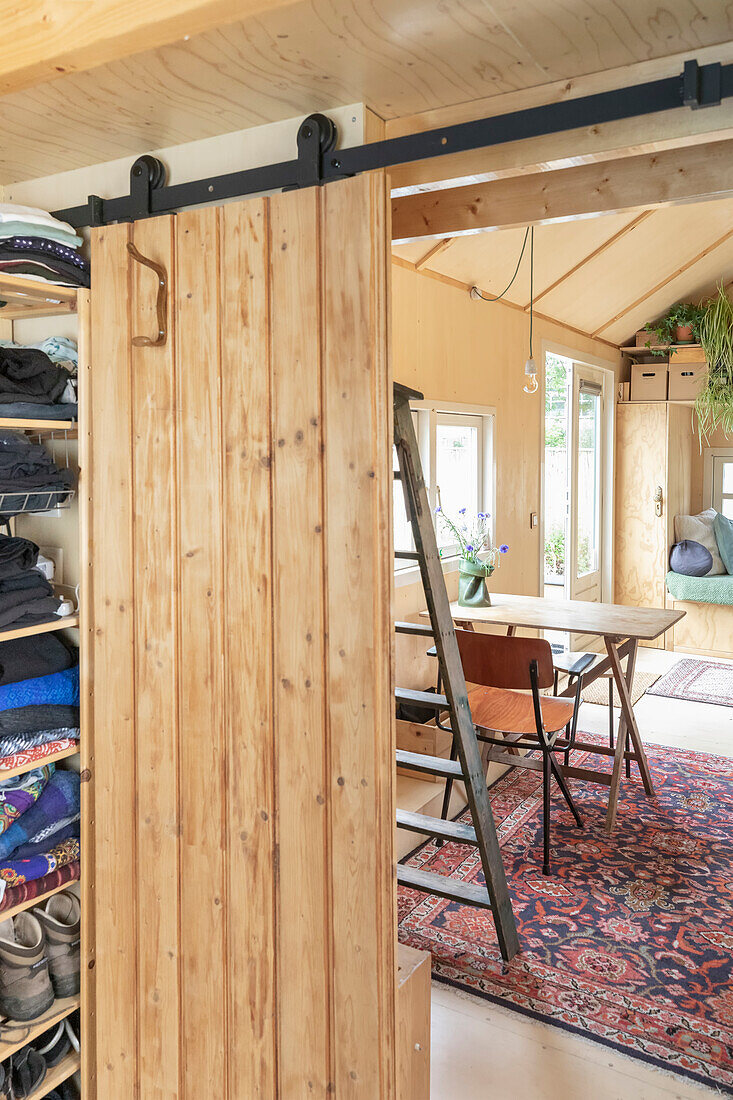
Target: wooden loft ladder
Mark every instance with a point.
(468, 767)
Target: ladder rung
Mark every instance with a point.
(421, 698)
(431, 765)
(436, 826)
(414, 628)
(444, 887)
(407, 555)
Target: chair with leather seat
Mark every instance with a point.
(512, 715)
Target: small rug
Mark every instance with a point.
(597, 692)
(629, 941)
(698, 682)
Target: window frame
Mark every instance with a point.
(428, 414)
(712, 456)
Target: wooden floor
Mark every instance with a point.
(483, 1052)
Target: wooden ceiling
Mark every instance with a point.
(398, 57)
(604, 276)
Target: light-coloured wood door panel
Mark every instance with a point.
(241, 485)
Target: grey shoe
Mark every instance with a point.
(60, 919)
(25, 985)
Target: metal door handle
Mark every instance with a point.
(161, 302)
(658, 500)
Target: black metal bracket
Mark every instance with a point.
(319, 162)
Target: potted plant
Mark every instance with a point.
(478, 558)
(714, 403)
(679, 325)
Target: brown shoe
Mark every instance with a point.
(60, 919)
(25, 986)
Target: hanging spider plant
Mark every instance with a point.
(714, 404)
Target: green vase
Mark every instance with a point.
(472, 590)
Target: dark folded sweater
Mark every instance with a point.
(16, 556)
(29, 374)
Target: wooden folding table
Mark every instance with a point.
(622, 628)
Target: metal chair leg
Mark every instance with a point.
(546, 767)
(628, 762)
(566, 792)
(447, 792)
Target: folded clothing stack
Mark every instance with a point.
(35, 245)
(30, 480)
(39, 810)
(26, 597)
(39, 381)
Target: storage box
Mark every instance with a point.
(649, 382)
(686, 380)
(687, 355)
(644, 337)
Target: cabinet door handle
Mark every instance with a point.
(161, 303)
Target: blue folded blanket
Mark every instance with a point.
(60, 689)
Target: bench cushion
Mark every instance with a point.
(717, 590)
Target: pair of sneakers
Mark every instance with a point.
(24, 1073)
(40, 957)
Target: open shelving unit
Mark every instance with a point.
(635, 352)
(28, 299)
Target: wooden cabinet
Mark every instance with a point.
(654, 442)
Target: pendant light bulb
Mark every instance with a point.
(530, 372)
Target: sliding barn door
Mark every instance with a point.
(243, 937)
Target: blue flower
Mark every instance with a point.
(438, 509)
(503, 549)
(461, 511)
(469, 547)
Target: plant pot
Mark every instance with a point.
(683, 334)
(472, 590)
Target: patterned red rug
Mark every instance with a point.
(697, 681)
(629, 942)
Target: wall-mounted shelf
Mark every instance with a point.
(53, 758)
(33, 298)
(635, 352)
(57, 623)
(31, 903)
(37, 425)
(690, 404)
(18, 1033)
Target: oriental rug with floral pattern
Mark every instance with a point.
(630, 940)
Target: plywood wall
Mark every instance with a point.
(240, 523)
(454, 349)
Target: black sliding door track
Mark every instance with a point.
(319, 162)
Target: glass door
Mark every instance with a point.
(586, 485)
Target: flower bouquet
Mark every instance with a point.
(478, 558)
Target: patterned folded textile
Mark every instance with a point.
(59, 800)
(24, 742)
(23, 229)
(36, 754)
(42, 248)
(27, 891)
(53, 836)
(59, 689)
(29, 658)
(18, 794)
(13, 872)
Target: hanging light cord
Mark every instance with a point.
(487, 298)
(531, 287)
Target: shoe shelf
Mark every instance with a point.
(33, 298)
(71, 1063)
(57, 623)
(31, 903)
(14, 1034)
(8, 773)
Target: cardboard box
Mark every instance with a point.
(644, 337)
(649, 382)
(686, 380)
(687, 355)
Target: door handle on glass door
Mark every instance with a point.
(161, 301)
(658, 500)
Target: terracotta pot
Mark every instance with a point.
(683, 334)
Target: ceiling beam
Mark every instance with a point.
(591, 256)
(43, 39)
(653, 180)
(433, 252)
(588, 145)
(664, 282)
(447, 280)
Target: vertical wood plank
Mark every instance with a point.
(245, 341)
(110, 479)
(358, 599)
(155, 558)
(303, 886)
(86, 703)
(202, 598)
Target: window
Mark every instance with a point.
(718, 480)
(456, 445)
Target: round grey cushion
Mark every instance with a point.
(691, 559)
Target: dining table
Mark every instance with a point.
(622, 629)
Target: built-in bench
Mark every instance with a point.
(708, 605)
